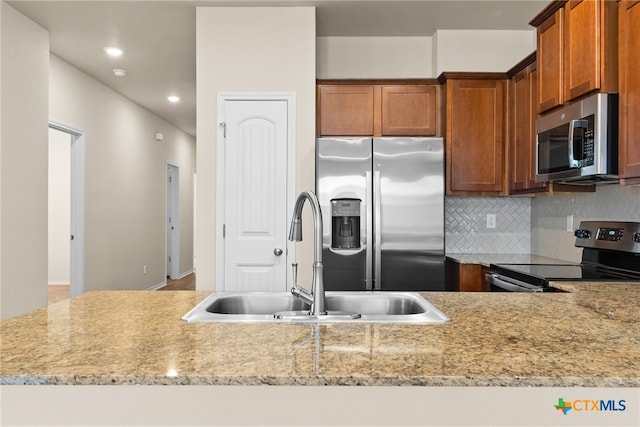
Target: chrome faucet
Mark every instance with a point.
(316, 297)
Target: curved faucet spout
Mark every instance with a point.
(295, 234)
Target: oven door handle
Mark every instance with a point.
(512, 285)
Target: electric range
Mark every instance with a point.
(611, 253)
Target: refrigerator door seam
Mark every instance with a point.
(369, 235)
(377, 243)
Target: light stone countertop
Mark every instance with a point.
(487, 259)
(589, 337)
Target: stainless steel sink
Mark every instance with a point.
(379, 307)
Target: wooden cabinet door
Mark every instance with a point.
(409, 110)
(523, 109)
(465, 277)
(475, 136)
(550, 62)
(577, 50)
(532, 184)
(520, 103)
(629, 164)
(345, 110)
(582, 47)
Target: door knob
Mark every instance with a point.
(277, 251)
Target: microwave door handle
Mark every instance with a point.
(573, 161)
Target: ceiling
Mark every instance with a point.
(158, 37)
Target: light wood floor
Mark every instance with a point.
(58, 293)
(187, 283)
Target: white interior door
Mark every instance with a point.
(76, 233)
(255, 194)
(59, 207)
(173, 222)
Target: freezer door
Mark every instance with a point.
(343, 166)
(408, 214)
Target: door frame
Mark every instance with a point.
(290, 99)
(173, 207)
(78, 203)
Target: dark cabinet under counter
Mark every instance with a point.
(465, 277)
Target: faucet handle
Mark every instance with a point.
(294, 268)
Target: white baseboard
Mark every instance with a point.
(158, 286)
(186, 273)
(59, 283)
(182, 275)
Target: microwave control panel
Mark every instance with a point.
(588, 142)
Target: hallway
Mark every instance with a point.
(187, 283)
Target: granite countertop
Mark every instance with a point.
(589, 337)
(487, 259)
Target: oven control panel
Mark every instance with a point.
(613, 235)
(610, 234)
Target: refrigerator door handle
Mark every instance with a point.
(369, 236)
(377, 258)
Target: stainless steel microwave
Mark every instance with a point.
(578, 144)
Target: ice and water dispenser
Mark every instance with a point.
(345, 224)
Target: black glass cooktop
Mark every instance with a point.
(542, 274)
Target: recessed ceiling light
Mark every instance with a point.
(173, 98)
(113, 51)
(119, 72)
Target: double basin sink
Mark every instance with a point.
(352, 307)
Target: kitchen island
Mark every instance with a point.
(588, 337)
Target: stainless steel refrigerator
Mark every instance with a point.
(382, 202)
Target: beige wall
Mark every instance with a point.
(125, 182)
(421, 57)
(374, 57)
(251, 49)
(23, 168)
(480, 50)
(59, 207)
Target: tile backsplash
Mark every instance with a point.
(466, 225)
(533, 225)
(549, 235)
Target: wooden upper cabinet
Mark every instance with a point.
(345, 110)
(629, 43)
(582, 55)
(591, 47)
(550, 62)
(475, 133)
(520, 127)
(378, 108)
(523, 112)
(577, 50)
(409, 110)
(533, 102)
